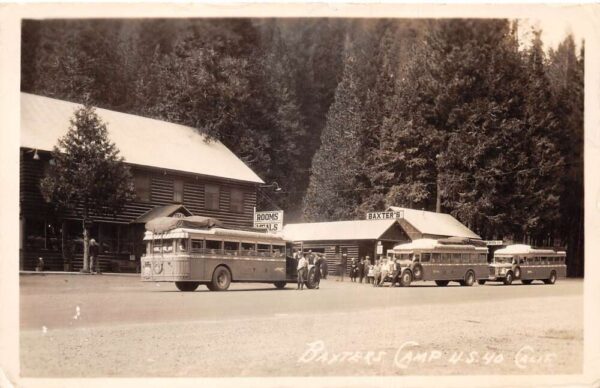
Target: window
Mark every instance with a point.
(425, 257)
(236, 203)
(278, 250)
(436, 257)
(196, 245)
(142, 188)
(178, 191)
(182, 247)
(264, 249)
(213, 245)
(456, 258)
(248, 248)
(231, 247)
(211, 197)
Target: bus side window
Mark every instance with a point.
(456, 258)
(483, 258)
(426, 257)
(248, 249)
(231, 247)
(435, 257)
(213, 245)
(196, 245)
(264, 249)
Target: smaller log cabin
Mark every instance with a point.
(175, 170)
(361, 238)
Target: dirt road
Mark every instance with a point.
(95, 326)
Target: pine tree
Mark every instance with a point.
(87, 175)
(331, 193)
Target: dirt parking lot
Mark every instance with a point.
(93, 326)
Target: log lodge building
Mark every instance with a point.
(175, 171)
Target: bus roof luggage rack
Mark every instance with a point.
(462, 240)
(164, 224)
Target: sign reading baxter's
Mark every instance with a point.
(270, 220)
(385, 215)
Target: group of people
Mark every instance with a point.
(375, 273)
(304, 260)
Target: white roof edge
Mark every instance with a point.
(428, 243)
(523, 249)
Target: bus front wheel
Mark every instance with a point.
(187, 286)
(405, 279)
(552, 278)
(280, 285)
(509, 278)
(221, 279)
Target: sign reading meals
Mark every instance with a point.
(269, 220)
(390, 215)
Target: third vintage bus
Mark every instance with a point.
(524, 263)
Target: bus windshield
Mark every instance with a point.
(503, 260)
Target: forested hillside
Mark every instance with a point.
(352, 115)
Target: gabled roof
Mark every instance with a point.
(337, 230)
(161, 211)
(141, 140)
(438, 224)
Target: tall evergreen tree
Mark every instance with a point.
(331, 194)
(88, 174)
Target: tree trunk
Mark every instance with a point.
(438, 196)
(86, 246)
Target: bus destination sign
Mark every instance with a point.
(385, 215)
(269, 220)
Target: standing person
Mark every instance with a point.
(370, 271)
(93, 250)
(376, 273)
(343, 265)
(361, 270)
(318, 262)
(353, 268)
(302, 271)
(384, 270)
(311, 257)
(324, 266)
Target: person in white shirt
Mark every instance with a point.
(384, 270)
(302, 271)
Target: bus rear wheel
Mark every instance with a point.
(551, 279)
(406, 279)
(221, 279)
(280, 285)
(187, 286)
(526, 282)
(469, 279)
(508, 279)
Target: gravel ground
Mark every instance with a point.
(126, 328)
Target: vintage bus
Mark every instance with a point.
(193, 251)
(524, 263)
(460, 260)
